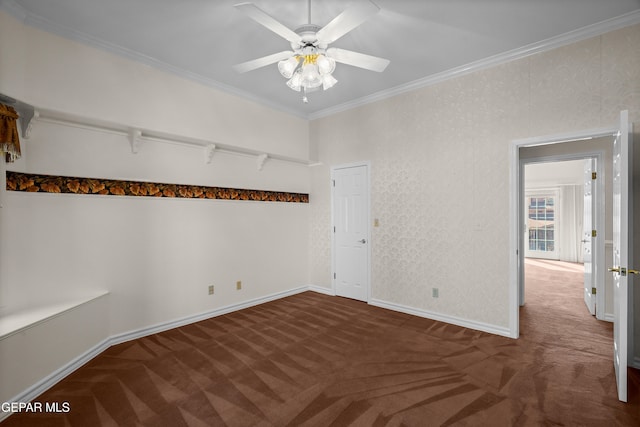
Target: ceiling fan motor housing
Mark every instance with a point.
(307, 33)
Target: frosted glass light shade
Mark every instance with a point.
(288, 66)
(295, 82)
(310, 76)
(325, 65)
(328, 81)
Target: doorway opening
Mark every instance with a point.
(593, 144)
(563, 214)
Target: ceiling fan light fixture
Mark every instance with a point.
(310, 63)
(288, 66)
(295, 82)
(325, 65)
(310, 76)
(328, 81)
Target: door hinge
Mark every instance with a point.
(594, 175)
(334, 228)
(593, 291)
(334, 275)
(334, 182)
(594, 233)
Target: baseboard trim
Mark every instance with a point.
(465, 323)
(165, 326)
(322, 290)
(49, 381)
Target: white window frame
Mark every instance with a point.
(544, 192)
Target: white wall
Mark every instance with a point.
(440, 168)
(156, 257)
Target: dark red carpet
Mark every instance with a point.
(315, 360)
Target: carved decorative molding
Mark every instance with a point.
(135, 138)
(209, 151)
(27, 126)
(262, 158)
(36, 183)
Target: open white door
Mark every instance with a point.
(621, 191)
(587, 236)
(351, 231)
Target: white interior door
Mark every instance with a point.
(351, 231)
(587, 236)
(621, 191)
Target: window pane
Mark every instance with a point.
(541, 222)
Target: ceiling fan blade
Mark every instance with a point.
(356, 59)
(261, 17)
(262, 62)
(347, 21)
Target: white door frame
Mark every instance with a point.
(516, 215)
(366, 164)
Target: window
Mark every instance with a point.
(541, 224)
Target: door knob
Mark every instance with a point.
(362, 241)
(623, 271)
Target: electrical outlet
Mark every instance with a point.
(210, 289)
(238, 285)
(435, 292)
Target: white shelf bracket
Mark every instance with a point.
(209, 151)
(28, 124)
(262, 158)
(135, 139)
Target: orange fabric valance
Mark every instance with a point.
(9, 138)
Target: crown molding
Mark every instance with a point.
(580, 34)
(584, 33)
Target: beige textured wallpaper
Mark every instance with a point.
(440, 169)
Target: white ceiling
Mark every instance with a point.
(202, 39)
(549, 174)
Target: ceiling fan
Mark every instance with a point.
(311, 62)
